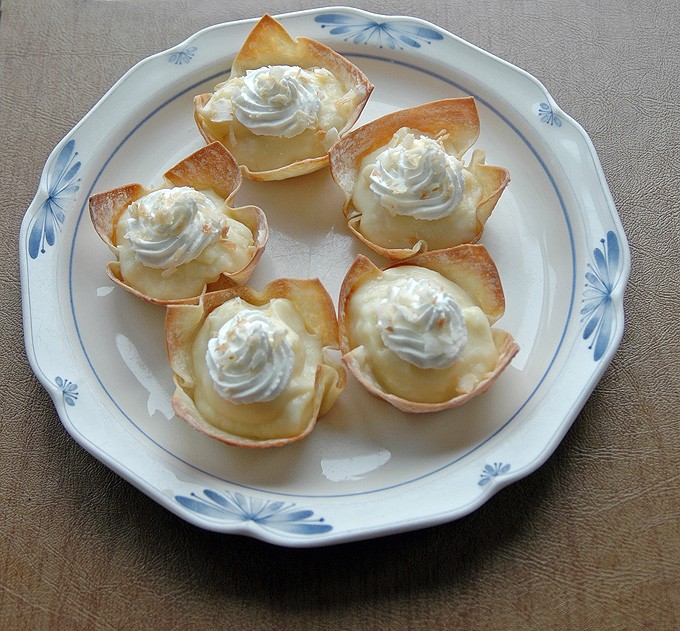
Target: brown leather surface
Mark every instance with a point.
(591, 540)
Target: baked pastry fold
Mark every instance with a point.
(418, 333)
(407, 189)
(252, 368)
(285, 102)
(174, 242)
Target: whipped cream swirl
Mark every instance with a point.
(169, 227)
(251, 360)
(278, 101)
(416, 177)
(422, 324)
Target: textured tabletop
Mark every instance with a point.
(590, 540)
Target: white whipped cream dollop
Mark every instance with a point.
(422, 324)
(251, 360)
(416, 177)
(279, 100)
(169, 227)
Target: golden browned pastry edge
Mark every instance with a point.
(269, 43)
(210, 167)
(458, 117)
(465, 265)
(182, 322)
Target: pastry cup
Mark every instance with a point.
(470, 267)
(210, 168)
(270, 44)
(312, 304)
(456, 117)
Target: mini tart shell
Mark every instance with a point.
(471, 268)
(270, 44)
(182, 323)
(210, 168)
(456, 117)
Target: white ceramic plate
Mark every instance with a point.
(366, 470)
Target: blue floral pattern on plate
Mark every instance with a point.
(598, 308)
(61, 187)
(269, 514)
(69, 390)
(360, 30)
(183, 56)
(548, 116)
(492, 471)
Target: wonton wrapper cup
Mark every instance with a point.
(210, 168)
(459, 118)
(471, 268)
(270, 44)
(183, 322)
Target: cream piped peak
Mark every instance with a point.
(422, 324)
(416, 177)
(251, 359)
(170, 227)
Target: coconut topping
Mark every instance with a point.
(422, 324)
(415, 176)
(251, 360)
(169, 227)
(279, 101)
